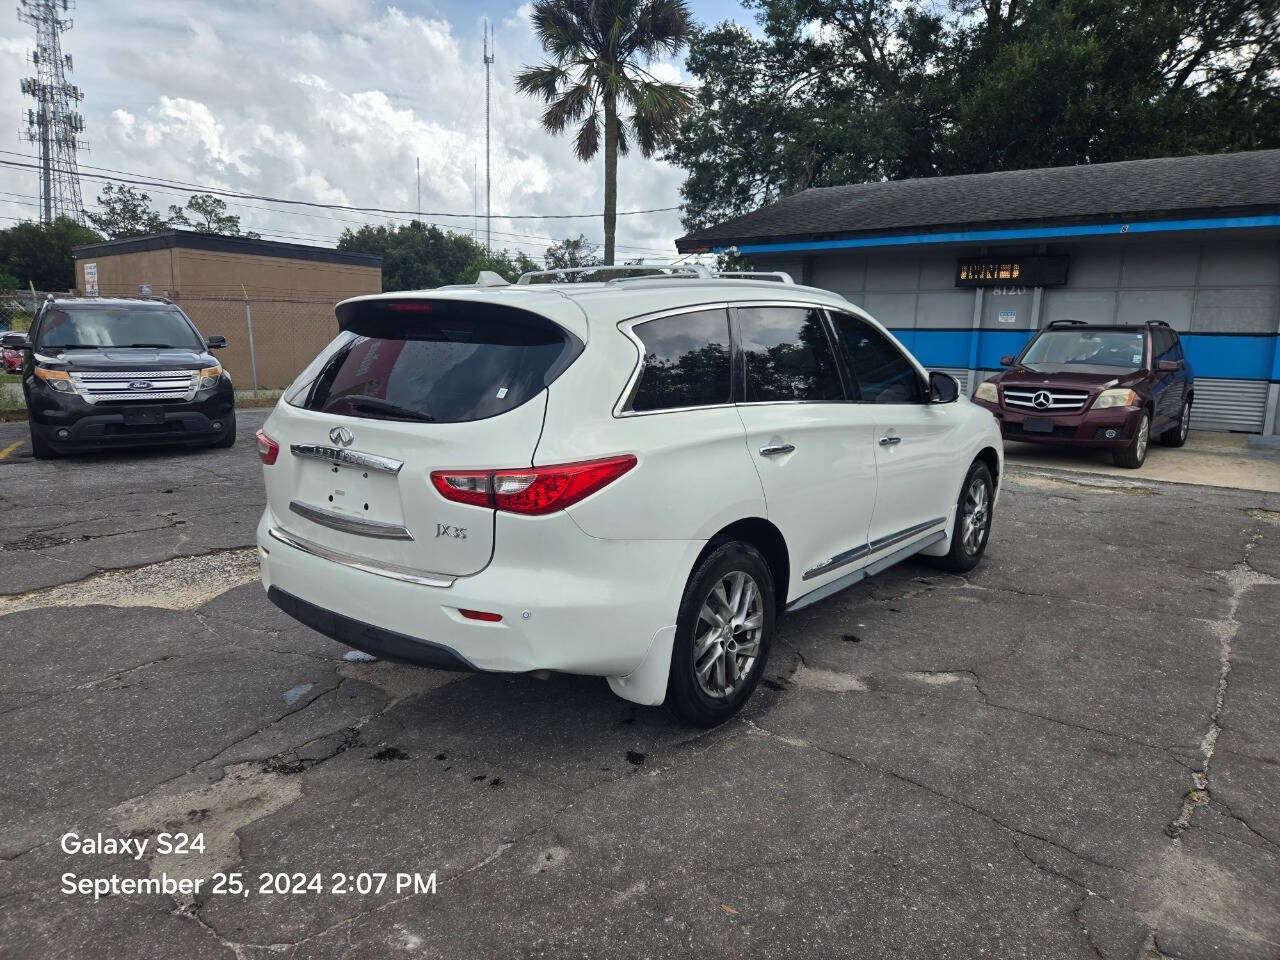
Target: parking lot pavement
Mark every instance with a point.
(1072, 752)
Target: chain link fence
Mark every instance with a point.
(269, 339)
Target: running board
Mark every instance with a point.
(870, 570)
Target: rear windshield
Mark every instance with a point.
(1094, 348)
(96, 326)
(437, 364)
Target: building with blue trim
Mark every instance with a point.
(965, 269)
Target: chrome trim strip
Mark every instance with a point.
(875, 546)
(339, 521)
(870, 570)
(390, 571)
(350, 458)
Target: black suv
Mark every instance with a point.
(100, 372)
(1096, 385)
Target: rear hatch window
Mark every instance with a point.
(436, 361)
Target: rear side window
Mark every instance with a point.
(880, 371)
(438, 361)
(686, 361)
(788, 355)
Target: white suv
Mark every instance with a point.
(631, 479)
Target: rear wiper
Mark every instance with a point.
(384, 406)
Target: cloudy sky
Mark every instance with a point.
(331, 100)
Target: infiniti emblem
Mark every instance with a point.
(341, 436)
(1042, 399)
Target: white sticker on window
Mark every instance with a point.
(1137, 358)
(502, 393)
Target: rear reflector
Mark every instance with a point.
(268, 449)
(481, 615)
(532, 491)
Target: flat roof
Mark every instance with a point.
(1222, 185)
(191, 240)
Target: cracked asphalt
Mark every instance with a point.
(1072, 752)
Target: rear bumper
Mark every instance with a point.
(1087, 429)
(568, 601)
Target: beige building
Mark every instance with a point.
(287, 290)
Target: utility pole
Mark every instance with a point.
(488, 210)
(53, 124)
(417, 167)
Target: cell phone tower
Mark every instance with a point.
(53, 124)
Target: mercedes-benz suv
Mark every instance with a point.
(631, 479)
(111, 372)
(1095, 385)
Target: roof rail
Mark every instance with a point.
(574, 274)
(778, 276)
(1159, 323)
(1068, 323)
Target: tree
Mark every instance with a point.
(571, 252)
(125, 212)
(40, 254)
(844, 91)
(507, 265)
(597, 78)
(206, 213)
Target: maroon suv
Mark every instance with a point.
(1095, 386)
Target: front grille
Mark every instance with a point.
(1059, 401)
(104, 386)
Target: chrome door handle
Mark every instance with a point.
(889, 441)
(777, 450)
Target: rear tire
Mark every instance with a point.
(1176, 436)
(1134, 455)
(228, 439)
(724, 631)
(40, 447)
(972, 527)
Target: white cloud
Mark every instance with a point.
(332, 100)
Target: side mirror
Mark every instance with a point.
(216, 343)
(1006, 361)
(1169, 366)
(943, 388)
(14, 341)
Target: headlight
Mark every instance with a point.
(1115, 398)
(987, 391)
(209, 377)
(58, 380)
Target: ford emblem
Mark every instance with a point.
(139, 384)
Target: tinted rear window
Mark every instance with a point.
(788, 355)
(440, 362)
(686, 361)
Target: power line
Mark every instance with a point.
(139, 182)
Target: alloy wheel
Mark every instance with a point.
(727, 636)
(976, 516)
(1144, 431)
(1185, 425)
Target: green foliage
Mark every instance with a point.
(40, 254)
(572, 252)
(419, 256)
(509, 266)
(596, 80)
(8, 282)
(125, 212)
(206, 213)
(844, 91)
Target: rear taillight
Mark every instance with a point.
(531, 490)
(268, 449)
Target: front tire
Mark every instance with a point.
(724, 630)
(1135, 454)
(972, 526)
(41, 449)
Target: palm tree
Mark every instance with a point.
(599, 54)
